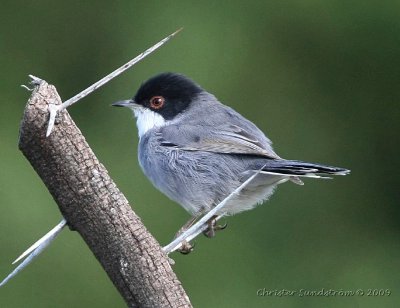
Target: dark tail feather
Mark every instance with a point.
(300, 168)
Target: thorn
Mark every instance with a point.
(53, 109)
(51, 234)
(104, 80)
(26, 87)
(32, 252)
(35, 80)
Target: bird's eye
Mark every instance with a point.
(156, 102)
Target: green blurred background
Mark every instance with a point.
(321, 78)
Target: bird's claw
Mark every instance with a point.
(186, 248)
(213, 227)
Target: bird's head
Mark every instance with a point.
(161, 99)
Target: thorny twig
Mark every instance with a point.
(34, 250)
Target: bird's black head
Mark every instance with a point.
(167, 94)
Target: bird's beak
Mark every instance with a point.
(130, 103)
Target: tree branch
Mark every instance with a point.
(92, 204)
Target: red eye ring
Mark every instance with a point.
(157, 102)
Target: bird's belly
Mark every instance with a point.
(198, 180)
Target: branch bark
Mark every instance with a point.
(92, 204)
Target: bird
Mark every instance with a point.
(197, 151)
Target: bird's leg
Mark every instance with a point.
(186, 246)
(212, 227)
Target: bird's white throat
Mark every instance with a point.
(147, 119)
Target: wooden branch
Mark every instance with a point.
(92, 204)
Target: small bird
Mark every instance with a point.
(197, 150)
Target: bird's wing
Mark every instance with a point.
(226, 138)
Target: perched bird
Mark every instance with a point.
(197, 150)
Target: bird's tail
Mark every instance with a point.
(295, 168)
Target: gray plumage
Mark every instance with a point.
(197, 151)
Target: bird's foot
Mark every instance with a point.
(213, 227)
(186, 248)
